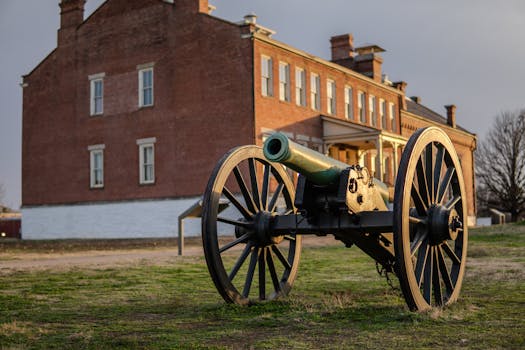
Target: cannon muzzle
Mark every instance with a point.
(316, 167)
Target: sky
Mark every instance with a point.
(470, 53)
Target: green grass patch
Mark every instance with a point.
(337, 302)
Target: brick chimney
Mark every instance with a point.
(343, 50)
(416, 99)
(71, 16)
(451, 115)
(193, 6)
(71, 13)
(401, 86)
(368, 62)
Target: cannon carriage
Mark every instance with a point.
(253, 249)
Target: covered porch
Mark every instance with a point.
(378, 150)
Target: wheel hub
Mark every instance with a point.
(444, 224)
(262, 230)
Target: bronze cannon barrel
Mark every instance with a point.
(316, 167)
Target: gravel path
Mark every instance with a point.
(100, 259)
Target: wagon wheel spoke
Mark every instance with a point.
(422, 187)
(440, 155)
(235, 222)
(444, 185)
(416, 220)
(420, 263)
(429, 171)
(436, 282)
(254, 183)
(455, 259)
(419, 202)
(273, 273)
(444, 271)
(421, 235)
(427, 279)
(275, 197)
(240, 261)
(248, 199)
(262, 274)
(247, 214)
(452, 202)
(251, 270)
(281, 257)
(265, 187)
(232, 244)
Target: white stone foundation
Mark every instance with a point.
(134, 219)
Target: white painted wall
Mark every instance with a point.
(135, 219)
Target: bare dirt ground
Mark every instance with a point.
(113, 256)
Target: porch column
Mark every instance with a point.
(379, 157)
(396, 162)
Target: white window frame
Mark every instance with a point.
(392, 116)
(93, 80)
(266, 76)
(372, 112)
(315, 91)
(284, 81)
(300, 86)
(331, 91)
(349, 102)
(143, 69)
(143, 144)
(361, 106)
(382, 114)
(94, 151)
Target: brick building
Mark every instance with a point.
(124, 120)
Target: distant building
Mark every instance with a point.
(124, 120)
(10, 222)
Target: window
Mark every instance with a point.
(96, 166)
(146, 160)
(372, 110)
(349, 103)
(330, 97)
(315, 91)
(266, 76)
(146, 87)
(392, 115)
(361, 106)
(284, 81)
(96, 87)
(300, 87)
(382, 113)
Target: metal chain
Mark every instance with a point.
(382, 271)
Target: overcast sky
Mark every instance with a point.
(470, 53)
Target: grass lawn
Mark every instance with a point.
(338, 301)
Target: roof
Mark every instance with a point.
(425, 112)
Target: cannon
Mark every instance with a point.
(252, 250)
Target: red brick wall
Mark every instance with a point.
(202, 104)
(287, 116)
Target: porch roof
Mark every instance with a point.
(336, 130)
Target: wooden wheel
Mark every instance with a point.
(430, 230)
(237, 242)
